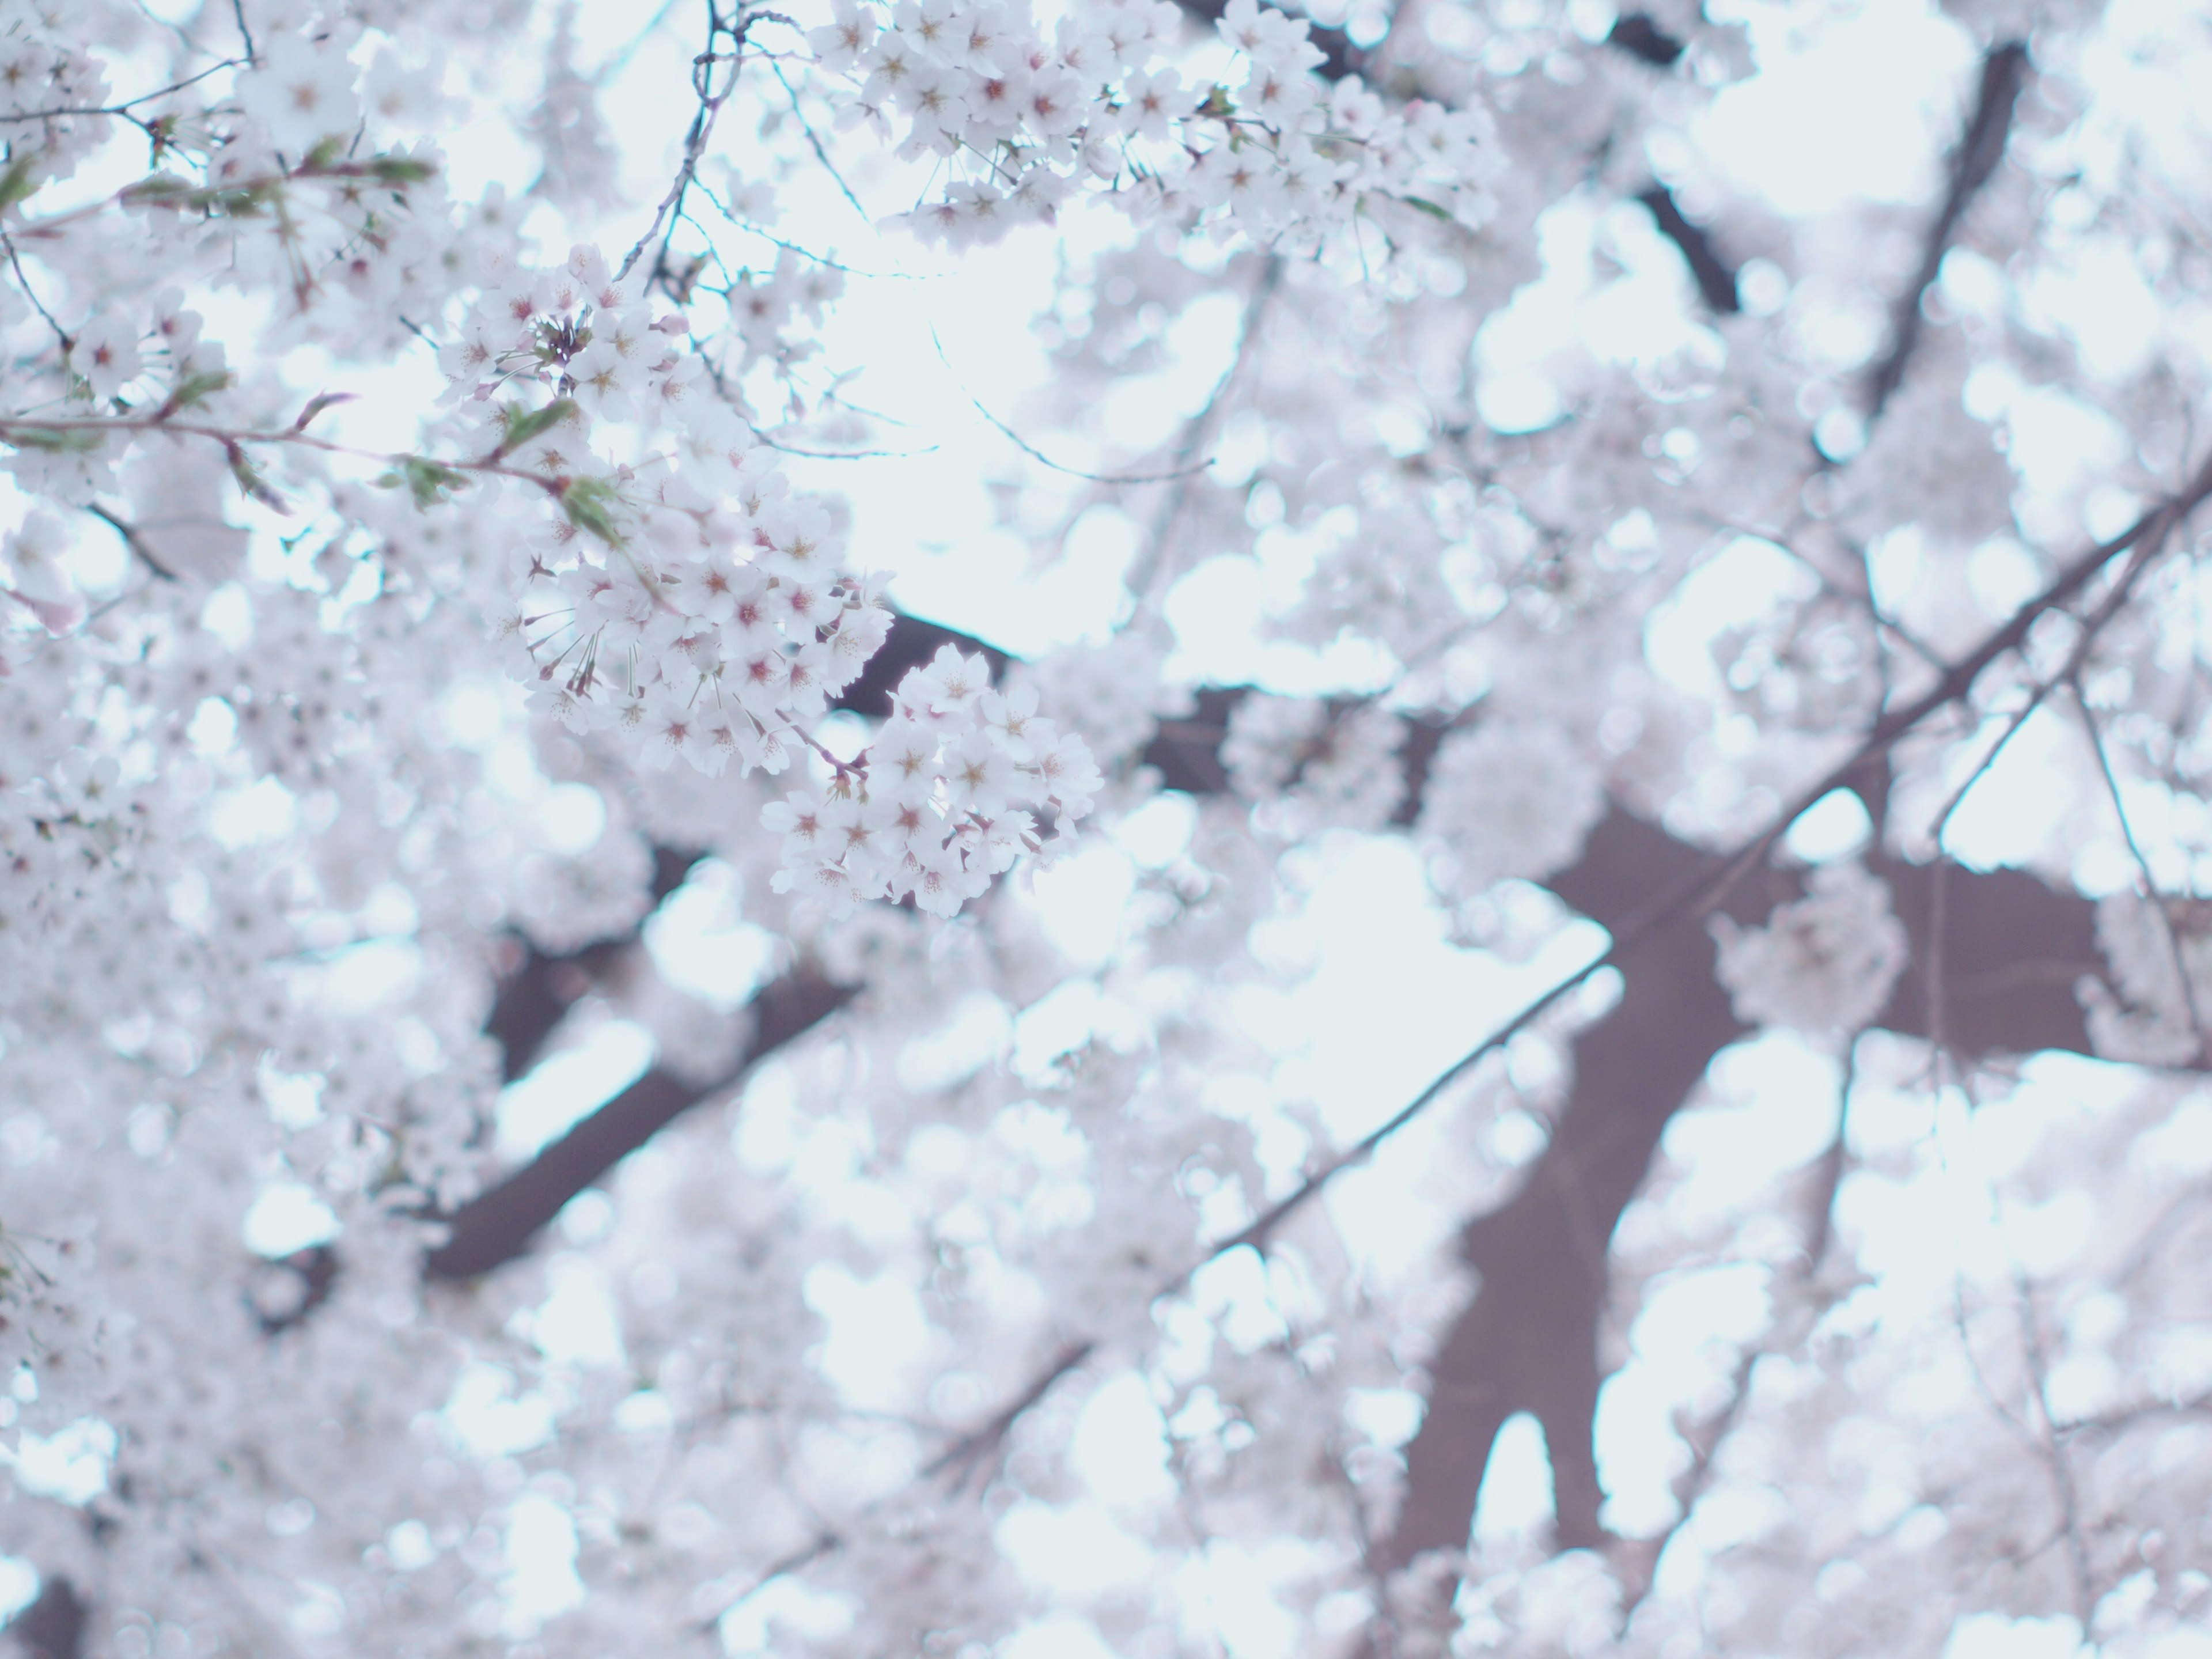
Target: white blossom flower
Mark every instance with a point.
(951, 685)
(1822, 963)
(978, 774)
(105, 353)
(840, 45)
(1510, 796)
(301, 92)
(1151, 100)
(1011, 717)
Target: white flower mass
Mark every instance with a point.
(1823, 963)
(1056, 828)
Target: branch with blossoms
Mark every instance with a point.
(43, 588)
(1532, 1348)
(706, 614)
(251, 195)
(941, 799)
(2005, 71)
(1280, 157)
(702, 129)
(1530, 1342)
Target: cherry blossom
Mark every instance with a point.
(1546, 785)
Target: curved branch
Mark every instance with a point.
(496, 1226)
(53, 1627)
(1528, 1341)
(2004, 71)
(1715, 277)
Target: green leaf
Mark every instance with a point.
(51, 440)
(323, 155)
(247, 472)
(159, 190)
(428, 482)
(317, 404)
(521, 426)
(16, 184)
(589, 504)
(196, 388)
(1428, 207)
(400, 170)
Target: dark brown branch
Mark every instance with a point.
(52, 1627)
(1187, 751)
(498, 1226)
(286, 1292)
(536, 994)
(1995, 923)
(2004, 71)
(2143, 541)
(910, 644)
(132, 540)
(1715, 277)
(1528, 1341)
(1635, 34)
(1642, 39)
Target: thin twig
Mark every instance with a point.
(1706, 1438)
(843, 454)
(133, 540)
(2147, 536)
(619, 58)
(2063, 1491)
(815, 142)
(1150, 571)
(2151, 895)
(125, 107)
(702, 125)
(24, 283)
(553, 486)
(2149, 532)
(202, 198)
(822, 1544)
(1043, 460)
(1980, 148)
(965, 1453)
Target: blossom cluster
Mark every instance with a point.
(1279, 157)
(687, 599)
(941, 800)
(1341, 765)
(1510, 796)
(49, 84)
(2153, 1010)
(273, 189)
(1826, 963)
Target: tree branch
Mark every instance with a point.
(494, 1227)
(52, 1627)
(1642, 39)
(1528, 1341)
(2004, 71)
(1715, 277)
